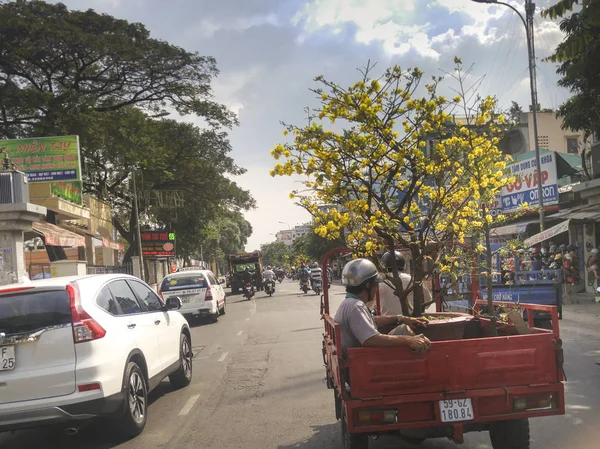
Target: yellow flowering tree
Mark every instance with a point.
(402, 170)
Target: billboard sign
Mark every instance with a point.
(46, 158)
(525, 189)
(158, 243)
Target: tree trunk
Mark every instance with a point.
(418, 294)
(490, 282)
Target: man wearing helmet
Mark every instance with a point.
(390, 303)
(358, 327)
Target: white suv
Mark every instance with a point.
(200, 292)
(80, 347)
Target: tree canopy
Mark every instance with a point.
(401, 170)
(109, 82)
(578, 56)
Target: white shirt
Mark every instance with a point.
(268, 275)
(390, 303)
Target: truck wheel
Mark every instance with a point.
(338, 405)
(353, 440)
(510, 434)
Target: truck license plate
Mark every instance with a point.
(456, 410)
(7, 358)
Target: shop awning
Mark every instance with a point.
(578, 213)
(548, 233)
(106, 243)
(512, 229)
(56, 236)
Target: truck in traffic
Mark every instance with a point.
(238, 263)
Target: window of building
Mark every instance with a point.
(543, 142)
(572, 145)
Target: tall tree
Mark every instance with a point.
(276, 254)
(578, 56)
(57, 65)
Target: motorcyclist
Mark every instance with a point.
(247, 276)
(269, 276)
(358, 327)
(315, 274)
(390, 303)
(303, 274)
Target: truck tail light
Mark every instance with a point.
(209, 295)
(366, 417)
(537, 402)
(85, 328)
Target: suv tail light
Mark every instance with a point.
(209, 295)
(85, 328)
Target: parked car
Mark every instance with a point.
(72, 348)
(200, 292)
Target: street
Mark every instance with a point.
(258, 384)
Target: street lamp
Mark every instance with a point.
(287, 224)
(528, 23)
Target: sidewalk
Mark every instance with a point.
(583, 310)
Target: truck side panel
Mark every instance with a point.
(454, 366)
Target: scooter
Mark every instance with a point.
(248, 291)
(304, 286)
(270, 287)
(316, 286)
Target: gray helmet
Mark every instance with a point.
(358, 271)
(400, 260)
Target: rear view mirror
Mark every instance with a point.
(173, 303)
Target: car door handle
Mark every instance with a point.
(131, 326)
(157, 322)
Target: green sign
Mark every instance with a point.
(45, 158)
(68, 190)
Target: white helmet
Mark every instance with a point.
(358, 271)
(594, 251)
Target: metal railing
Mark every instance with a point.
(107, 269)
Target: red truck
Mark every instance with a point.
(490, 384)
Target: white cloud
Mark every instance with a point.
(208, 27)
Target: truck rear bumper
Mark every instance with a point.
(421, 412)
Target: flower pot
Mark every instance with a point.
(446, 326)
(504, 329)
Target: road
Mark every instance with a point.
(258, 384)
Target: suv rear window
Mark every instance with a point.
(33, 310)
(174, 283)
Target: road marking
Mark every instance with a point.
(223, 356)
(188, 405)
(239, 333)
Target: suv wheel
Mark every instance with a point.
(135, 390)
(183, 376)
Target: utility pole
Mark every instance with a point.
(138, 233)
(529, 30)
(529, 15)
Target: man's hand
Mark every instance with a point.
(414, 322)
(419, 343)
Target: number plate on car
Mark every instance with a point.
(456, 410)
(7, 358)
(185, 299)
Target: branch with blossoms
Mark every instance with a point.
(390, 186)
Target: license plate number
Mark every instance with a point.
(7, 358)
(185, 299)
(456, 410)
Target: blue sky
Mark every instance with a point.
(269, 51)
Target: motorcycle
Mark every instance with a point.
(248, 291)
(304, 286)
(270, 287)
(316, 286)
(280, 277)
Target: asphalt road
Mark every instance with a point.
(258, 384)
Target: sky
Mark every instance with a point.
(269, 52)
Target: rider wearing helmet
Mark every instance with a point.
(390, 303)
(315, 273)
(358, 327)
(269, 274)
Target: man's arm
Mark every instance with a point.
(418, 343)
(390, 320)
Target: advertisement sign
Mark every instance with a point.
(158, 243)
(548, 233)
(525, 188)
(67, 190)
(45, 158)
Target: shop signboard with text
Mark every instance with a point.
(158, 243)
(45, 158)
(524, 189)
